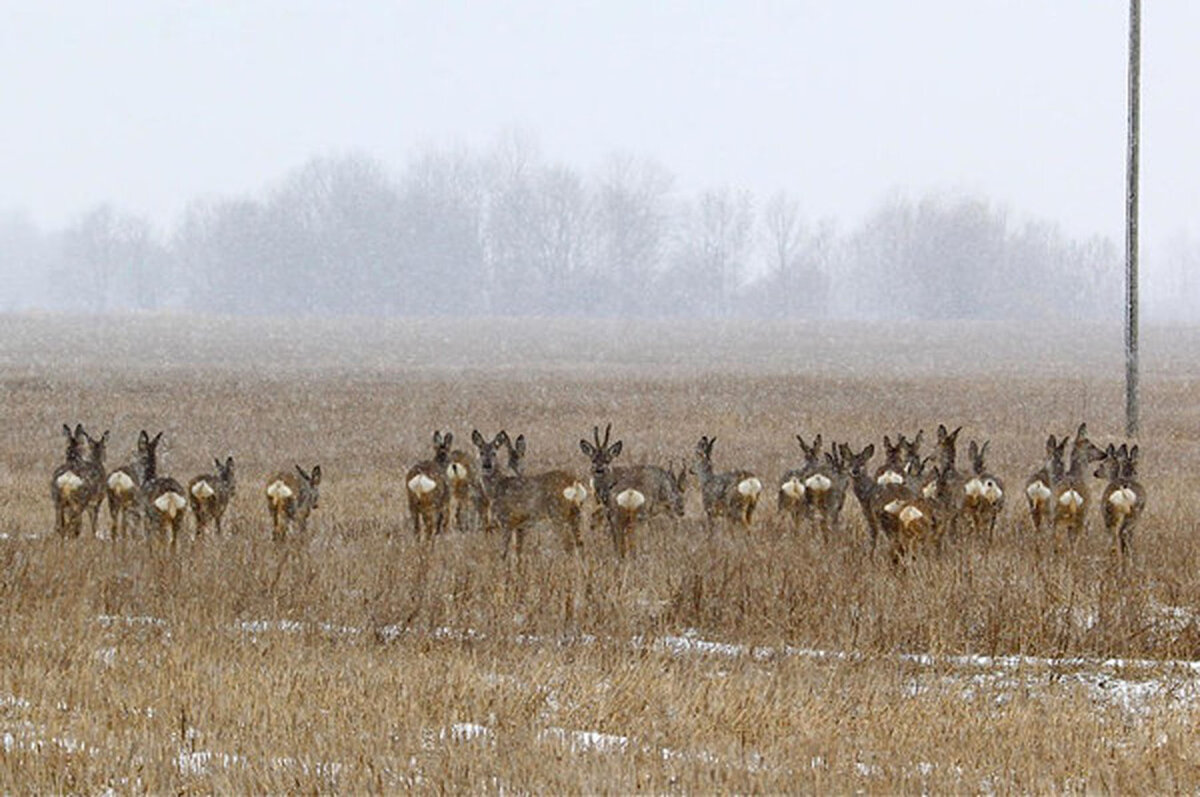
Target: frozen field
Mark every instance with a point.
(358, 659)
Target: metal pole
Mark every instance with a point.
(1131, 222)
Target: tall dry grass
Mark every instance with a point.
(357, 659)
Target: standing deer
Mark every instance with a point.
(94, 473)
(638, 493)
(906, 515)
(291, 498)
(863, 485)
(945, 489)
(793, 496)
(731, 494)
(123, 488)
(428, 490)
(1123, 498)
(66, 482)
(209, 495)
(462, 483)
(163, 500)
(1039, 487)
(895, 464)
(983, 493)
(1071, 493)
(519, 502)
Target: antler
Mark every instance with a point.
(607, 432)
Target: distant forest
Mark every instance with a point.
(506, 233)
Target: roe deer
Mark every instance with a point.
(793, 496)
(983, 493)
(489, 475)
(291, 498)
(123, 488)
(638, 493)
(93, 475)
(895, 462)
(428, 490)
(863, 485)
(462, 483)
(519, 501)
(68, 485)
(1071, 493)
(731, 494)
(163, 500)
(945, 489)
(826, 491)
(906, 515)
(209, 495)
(1039, 487)
(1123, 498)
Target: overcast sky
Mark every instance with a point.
(149, 103)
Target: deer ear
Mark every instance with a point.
(316, 475)
(817, 442)
(477, 438)
(587, 448)
(519, 445)
(67, 431)
(447, 439)
(1081, 432)
(615, 449)
(1133, 454)
(868, 452)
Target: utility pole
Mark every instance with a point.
(1131, 222)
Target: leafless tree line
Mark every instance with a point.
(506, 232)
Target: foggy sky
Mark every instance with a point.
(149, 104)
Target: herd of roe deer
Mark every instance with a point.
(909, 502)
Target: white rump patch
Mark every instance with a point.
(1123, 499)
(992, 492)
(278, 491)
(910, 514)
(793, 488)
(203, 489)
(456, 472)
(894, 507)
(1070, 500)
(889, 477)
(68, 482)
(120, 482)
(929, 490)
(421, 484)
(576, 493)
(974, 487)
(170, 504)
(630, 499)
(818, 483)
(749, 487)
(1038, 491)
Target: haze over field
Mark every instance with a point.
(921, 160)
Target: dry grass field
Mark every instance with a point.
(357, 659)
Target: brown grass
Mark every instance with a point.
(358, 660)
